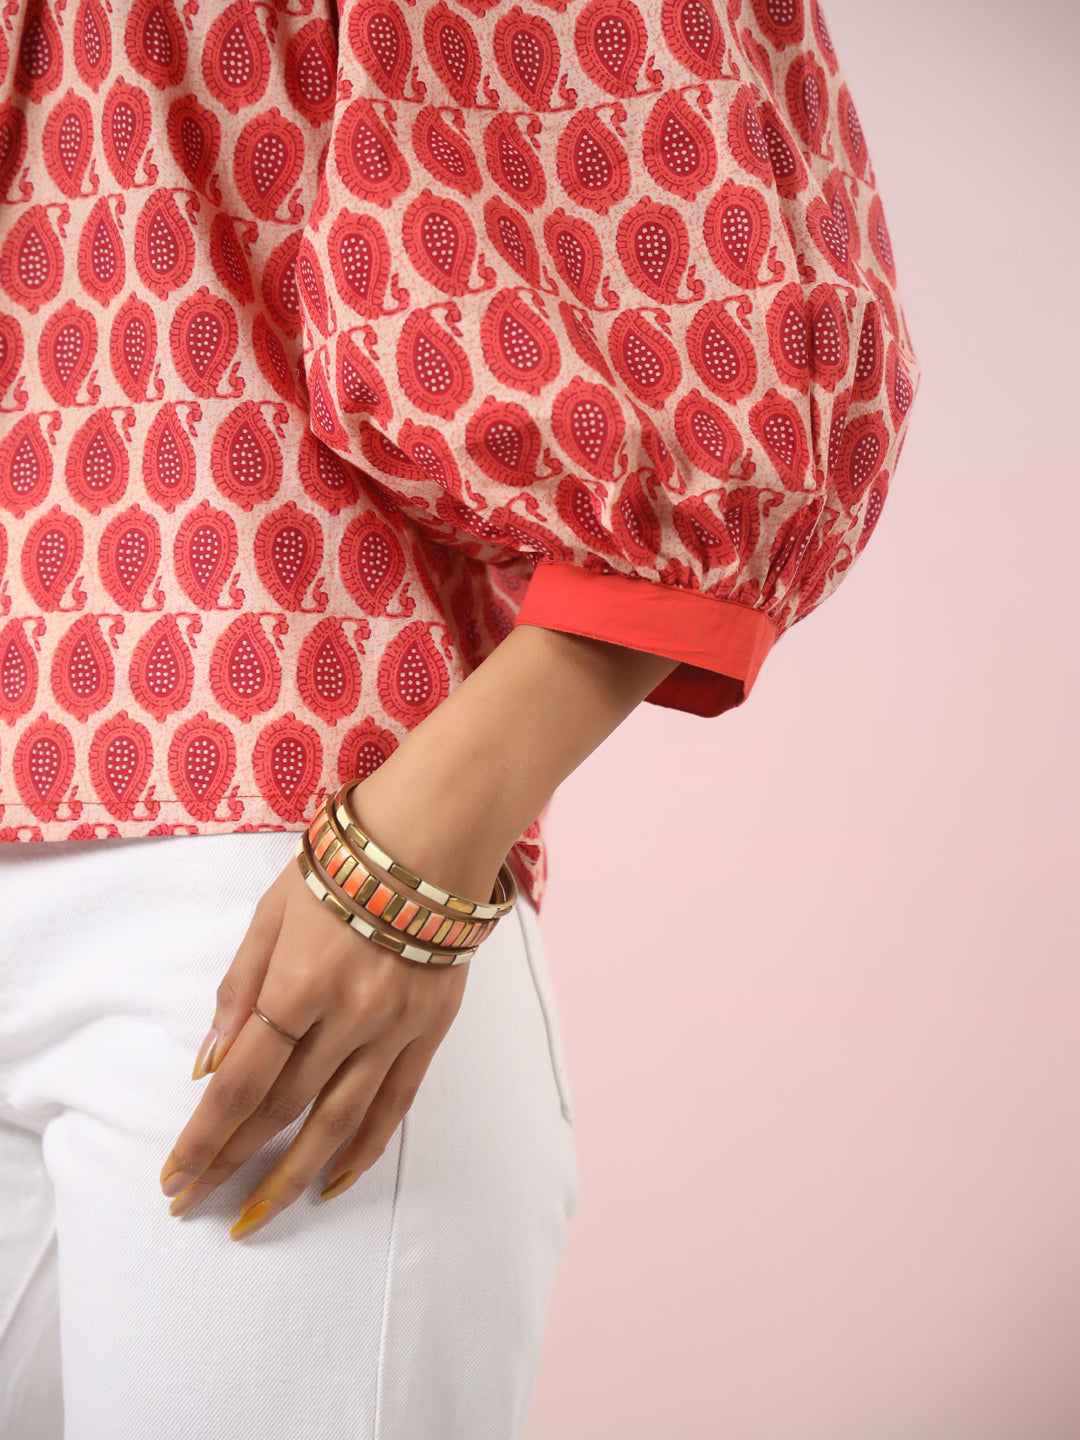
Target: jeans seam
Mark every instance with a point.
(16, 1300)
(564, 1104)
(386, 1283)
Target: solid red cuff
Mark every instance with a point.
(721, 645)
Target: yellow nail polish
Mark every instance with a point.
(253, 1218)
(343, 1181)
(221, 1049)
(202, 1064)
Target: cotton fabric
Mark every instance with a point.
(335, 346)
(408, 1308)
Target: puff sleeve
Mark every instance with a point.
(607, 291)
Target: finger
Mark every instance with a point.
(241, 982)
(239, 1085)
(309, 1068)
(385, 1113)
(334, 1119)
(298, 986)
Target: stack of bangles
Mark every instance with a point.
(339, 864)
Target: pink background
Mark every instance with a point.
(830, 1138)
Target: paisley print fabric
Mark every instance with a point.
(333, 345)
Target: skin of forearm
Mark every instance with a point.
(464, 784)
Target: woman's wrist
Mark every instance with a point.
(466, 782)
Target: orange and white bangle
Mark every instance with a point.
(345, 868)
(324, 891)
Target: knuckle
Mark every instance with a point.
(228, 992)
(307, 979)
(400, 1098)
(338, 1122)
(237, 1095)
(280, 1110)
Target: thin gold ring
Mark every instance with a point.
(256, 1011)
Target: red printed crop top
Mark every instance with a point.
(334, 346)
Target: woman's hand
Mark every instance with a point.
(369, 1023)
(449, 803)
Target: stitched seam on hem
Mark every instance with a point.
(664, 585)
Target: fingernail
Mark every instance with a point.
(343, 1181)
(192, 1196)
(254, 1218)
(202, 1060)
(221, 1049)
(176, 1181)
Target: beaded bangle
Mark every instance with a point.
(361, 844)
(342, 865)
(318, 887)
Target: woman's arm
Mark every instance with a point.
(465, 783)
(449, 804)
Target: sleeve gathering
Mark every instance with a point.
(630, 319)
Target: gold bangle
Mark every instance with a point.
(505, 886)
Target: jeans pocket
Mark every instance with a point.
(545, 994)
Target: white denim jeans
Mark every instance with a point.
(410, 1307)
